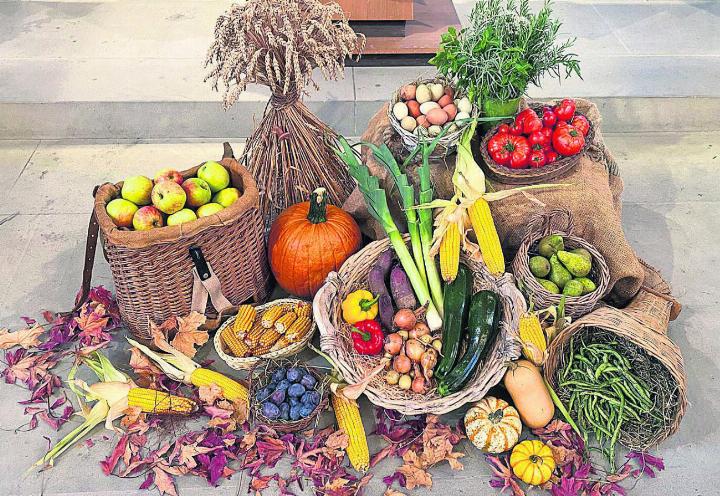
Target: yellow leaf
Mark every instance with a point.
(27, 338)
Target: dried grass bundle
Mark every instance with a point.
(279, 43)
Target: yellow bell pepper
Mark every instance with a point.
(359, 305)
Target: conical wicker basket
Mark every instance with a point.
(643, 322)
(336, 342)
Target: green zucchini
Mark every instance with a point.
(456, 296)
(483, 325)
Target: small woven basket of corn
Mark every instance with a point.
(336, 341)
(560, 222)
(278, 329)
(262, 375)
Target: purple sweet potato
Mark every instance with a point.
(401, 289)
(376, 284)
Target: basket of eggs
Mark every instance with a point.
(425, 108)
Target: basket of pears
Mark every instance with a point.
(552, 263)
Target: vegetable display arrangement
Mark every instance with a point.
(535, 140)
(560, 271)
(287, 394)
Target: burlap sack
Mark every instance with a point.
(593, 197)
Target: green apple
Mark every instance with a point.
(168, 196)
(209, 209)
(168, 174)
(181, 216)
(137, 189)
(146, 218)
(121, 212)
(215, 175)
(197, 191)
(226, 197)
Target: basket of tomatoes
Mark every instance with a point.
(541, 143)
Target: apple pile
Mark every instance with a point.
(429, 108)
(168, 199)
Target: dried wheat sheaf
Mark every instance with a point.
(279, 44)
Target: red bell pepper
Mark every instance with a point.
(565, 109)
(567, 140)
(581, 123)
(507, 149)
(537, 159)
(368, 337)
(548, 117)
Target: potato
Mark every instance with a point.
(423, 122)
(434, 130)
(437, 117)
(400, 110)
(407, 92)
(436, 90)
(422, 94)
(408, 123)
(414, 108)
(445, 100)
(524, 382)
(464, 105)
(427, 107)
(451, 111)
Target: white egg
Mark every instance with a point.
(434, 130)
(462, 115)
(464, 105)
(400, 110)
(423, 94)
(408, 123)
(437, 90)
(427, 107)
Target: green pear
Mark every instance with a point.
(573, 288)
(550, 245)
(549, 285)
(558, 274)
(539, 266)
(582, 252)
(588, 285)
(577, 265)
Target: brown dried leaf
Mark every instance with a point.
(188, 453)
(27, 338)
(392, 492)
(415, 477)
(338, 440)
(164, 482)
(188, 334)
(141, 364)
(209, 394)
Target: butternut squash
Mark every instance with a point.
(524, 382)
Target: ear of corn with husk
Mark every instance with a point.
(532, 337)
(160, 402)
(349, 420)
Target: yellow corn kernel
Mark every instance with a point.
(235, 344)
(244, 319)
(487, 236)
(281, 343)
(283, 323)
(348, 419)
(303, 309)
(532, 337)
(299, 329)
(232, 390)
(271, 315)
(160, 402)
(252, 338)
(450, 253)
(269, 337)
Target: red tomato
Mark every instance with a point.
(550, 156)
(538, 138)
(531, 124)
(521, 153)
(581, 123)
(516, 128)
(548, 117)
(503, 129)
(537, 159)
(506, 149)
(565, 109)
(547, 132)
(567, 140)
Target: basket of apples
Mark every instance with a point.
(427, 107)
(149, 226)
(541, 143)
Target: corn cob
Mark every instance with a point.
(298, 329)
(281, 343)
(303, 309)
(348, 418)
(487, 236)
(532, 338)
(268, 338)
(252, 338)
(283, 323)
(271, 315)
(244, 319)
(261, 349)
(232, 390)
(235, 343)
(153, 401)
(450, 253)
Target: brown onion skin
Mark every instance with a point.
(393, 343)
(402, 363)
(418, 383)
(414, 350)
(420, 329)
(405, 319)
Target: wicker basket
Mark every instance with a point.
(558, 222)
(245, 363)
(643, 322)
(335, 337)
(506, 175)
(152, 270)
(260, 376)
(410, 141)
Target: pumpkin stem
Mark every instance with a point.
(318, 206)
(496, 416)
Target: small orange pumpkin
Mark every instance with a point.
(309, 240)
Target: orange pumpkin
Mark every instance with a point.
(308, 241)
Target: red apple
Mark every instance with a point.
(148, 217)
(168, 196)
(168, 174)
(197, 191)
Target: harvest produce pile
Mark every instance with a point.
(433, 318)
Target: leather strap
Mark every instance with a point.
(90, 248)
(210, 287)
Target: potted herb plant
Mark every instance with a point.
(504, 48)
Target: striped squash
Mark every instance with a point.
(492, 425)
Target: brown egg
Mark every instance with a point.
(423, 121)
(445, 100)
(449, 91)
(437, 117)
(407, 92)
(450, 110)
(414, 108)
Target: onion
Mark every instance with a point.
(392, 377)
(405, 319)
(437, 344)
(414, 349)
(428, 360)
(418, 383)
(402, 363)
(420, 329)
(405, 382)
(403, 334)
(393, 343)
(426, 339)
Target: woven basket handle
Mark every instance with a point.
(558, 220)
(321, 311)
